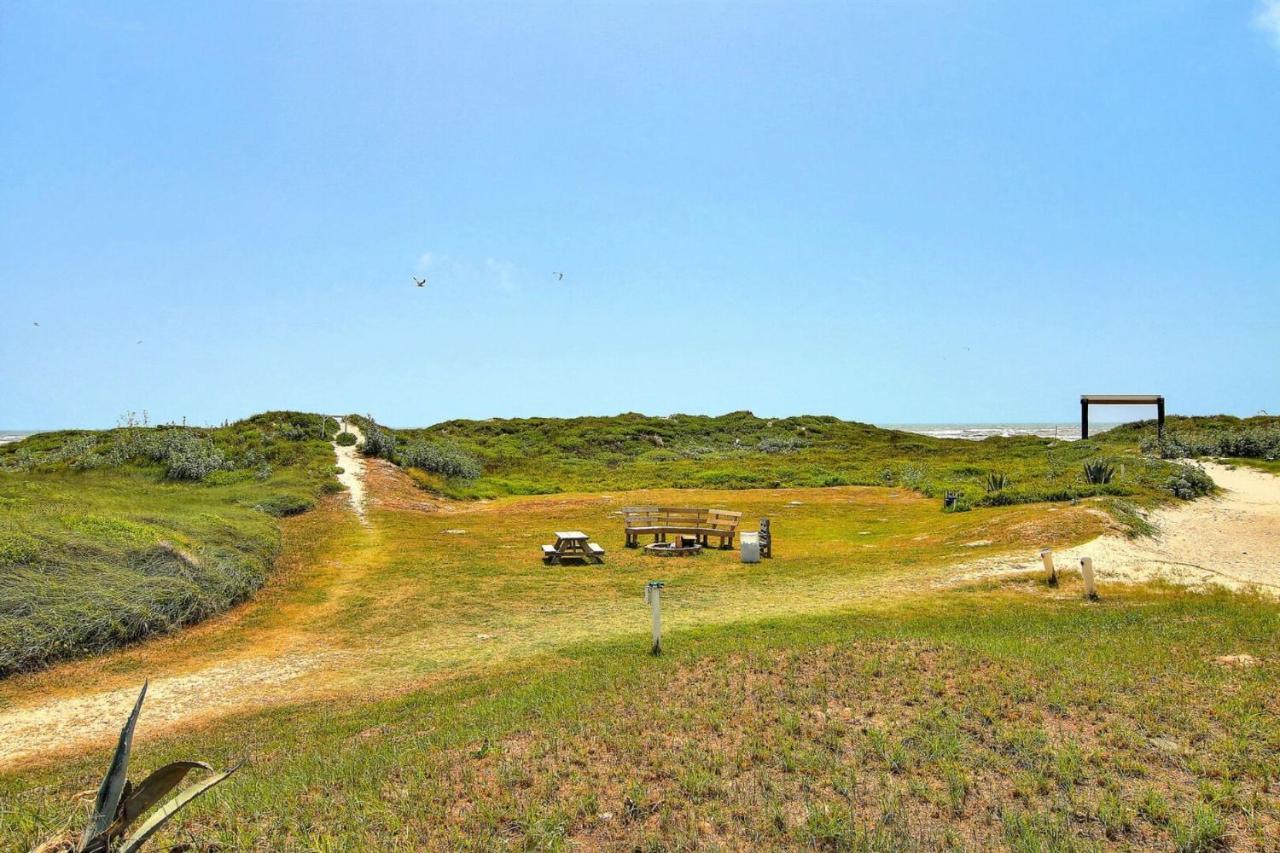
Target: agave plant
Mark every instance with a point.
(997, 480)
(1098, 472)
(120, 803)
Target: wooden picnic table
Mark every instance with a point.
(573, 545)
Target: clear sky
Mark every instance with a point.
(892, 212)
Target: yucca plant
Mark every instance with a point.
(997, 481)
(120, 803)
(1098, 472)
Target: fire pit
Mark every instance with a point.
(674, 549)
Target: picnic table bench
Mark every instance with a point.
(664, 521)
(572, 545)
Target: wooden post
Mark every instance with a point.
(1084, 418)
(1086, 572)
(1160, 418)
(1046, 556)
(653, 597)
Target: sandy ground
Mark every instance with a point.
(352, 465)
(1231, 541)
(28, 732)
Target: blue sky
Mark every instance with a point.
(892, 212)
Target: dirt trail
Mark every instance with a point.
(352, 465)
(1232, 541)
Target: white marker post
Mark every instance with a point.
(1046, 555)
(653, 597)
(1086, 572)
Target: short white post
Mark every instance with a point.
(1046, 556)
(653, 597)
(1086, 572)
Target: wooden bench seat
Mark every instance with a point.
(661, 522)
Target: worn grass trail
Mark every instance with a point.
(415, 597)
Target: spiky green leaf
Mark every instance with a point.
(113, 784)
(151, 790)
(169, 809)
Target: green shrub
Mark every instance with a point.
(379, 442)
(781, 444)
(997, 480)
(284, 505)
(436, 458)
(345, 439)
(1190, 481)
(185, 455)
(1257, 438)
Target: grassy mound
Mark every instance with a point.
(109, 537)
(739, 451)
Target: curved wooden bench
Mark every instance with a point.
(661, 522)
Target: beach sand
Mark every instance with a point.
(1232, 540)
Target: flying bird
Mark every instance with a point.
(559, 276)
(421, 282)
(35, 324)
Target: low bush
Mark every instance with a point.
(284, 505)
(1255, 438)
(379, 442)
(187, 457)
(781, 444)
(345, 439)
(1190, 481)
(997, 481)
(436, 458)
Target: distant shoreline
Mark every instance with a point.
(1066, 431)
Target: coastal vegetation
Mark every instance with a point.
(851, 693)
(1253, 440)
(108, 537)
(526, 456)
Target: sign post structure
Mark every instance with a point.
(653, 597)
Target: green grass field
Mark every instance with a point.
(972, 719)
(845, 695)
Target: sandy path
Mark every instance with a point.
(210, 691)
(1232, 541)
(352, 465)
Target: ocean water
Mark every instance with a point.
(1066, 431)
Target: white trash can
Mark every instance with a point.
(750, 547)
